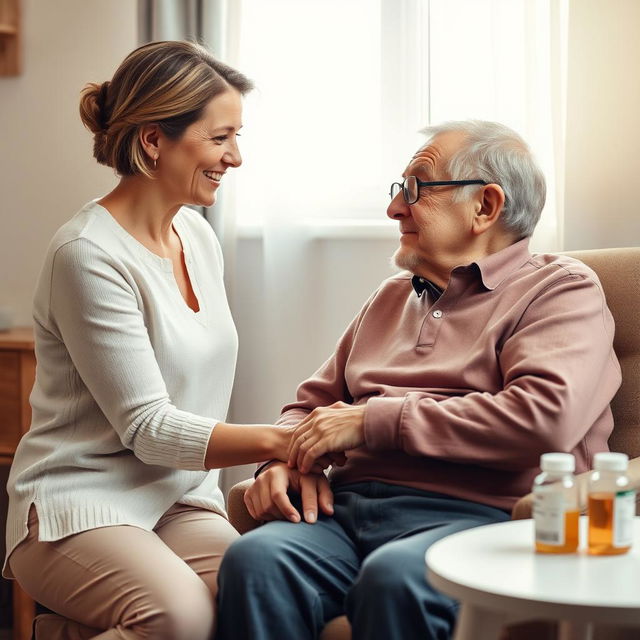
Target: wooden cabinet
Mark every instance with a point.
(17, 373)
(10, 38)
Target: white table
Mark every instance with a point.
(498, 578)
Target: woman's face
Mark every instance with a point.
(190, 169)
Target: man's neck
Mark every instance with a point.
(439, 274)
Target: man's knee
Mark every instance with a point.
(259, 553)
(391, 569)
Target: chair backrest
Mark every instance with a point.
(619, 273)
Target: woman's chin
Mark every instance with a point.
(204, 201)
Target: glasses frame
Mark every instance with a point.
(436, 183)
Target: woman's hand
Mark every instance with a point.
(326, 431)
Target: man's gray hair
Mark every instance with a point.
(496, 154)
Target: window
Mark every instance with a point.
(344, 86)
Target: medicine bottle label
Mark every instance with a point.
(549, 517)
(624, 510)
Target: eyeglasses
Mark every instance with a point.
(410, 187)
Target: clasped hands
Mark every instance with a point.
(320, 439)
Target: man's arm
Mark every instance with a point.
(559, 376)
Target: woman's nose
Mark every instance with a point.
(232, 156)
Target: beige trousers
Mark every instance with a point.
(124, 583)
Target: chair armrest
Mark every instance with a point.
(237, 510)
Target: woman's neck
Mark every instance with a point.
(140, 207)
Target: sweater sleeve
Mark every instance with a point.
(558, 374)
(94, 311)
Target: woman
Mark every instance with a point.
(115, 522)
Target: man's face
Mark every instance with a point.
(435, 230)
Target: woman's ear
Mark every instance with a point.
(149, 136)
(489, 206)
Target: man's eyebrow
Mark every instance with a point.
(420, 170)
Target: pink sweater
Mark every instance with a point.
(463, 395)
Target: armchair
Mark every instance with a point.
(619, 273)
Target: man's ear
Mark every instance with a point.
(149, 136)
(489, 206)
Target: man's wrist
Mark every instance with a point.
(263, 466)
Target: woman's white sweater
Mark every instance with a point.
(130, 382)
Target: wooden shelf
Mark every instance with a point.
(10, 38)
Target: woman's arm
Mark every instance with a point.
(93, 310)
(232, 444)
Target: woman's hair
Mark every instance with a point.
(166, 83)
(496, 154)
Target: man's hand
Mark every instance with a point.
(284, 437)
(333, 429)
(523, 508)
(267, 497)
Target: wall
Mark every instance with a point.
(46, 167)
(603, 134)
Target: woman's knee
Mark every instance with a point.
(184, 612)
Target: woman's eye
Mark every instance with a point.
(220, 139)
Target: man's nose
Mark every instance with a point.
(398, 208)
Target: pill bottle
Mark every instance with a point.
(555, 504)
(611, 505)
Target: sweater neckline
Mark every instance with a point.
(164, 264)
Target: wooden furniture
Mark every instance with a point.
(17, 373)
(10, 38)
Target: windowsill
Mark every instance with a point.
(333, 229)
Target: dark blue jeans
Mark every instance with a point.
(284, 581)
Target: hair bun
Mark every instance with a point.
(93, 109)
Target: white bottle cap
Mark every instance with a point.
(610, 461)
(557, 462)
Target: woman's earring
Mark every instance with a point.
(155, 162)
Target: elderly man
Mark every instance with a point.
(443, 392)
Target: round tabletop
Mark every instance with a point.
(495, 567)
